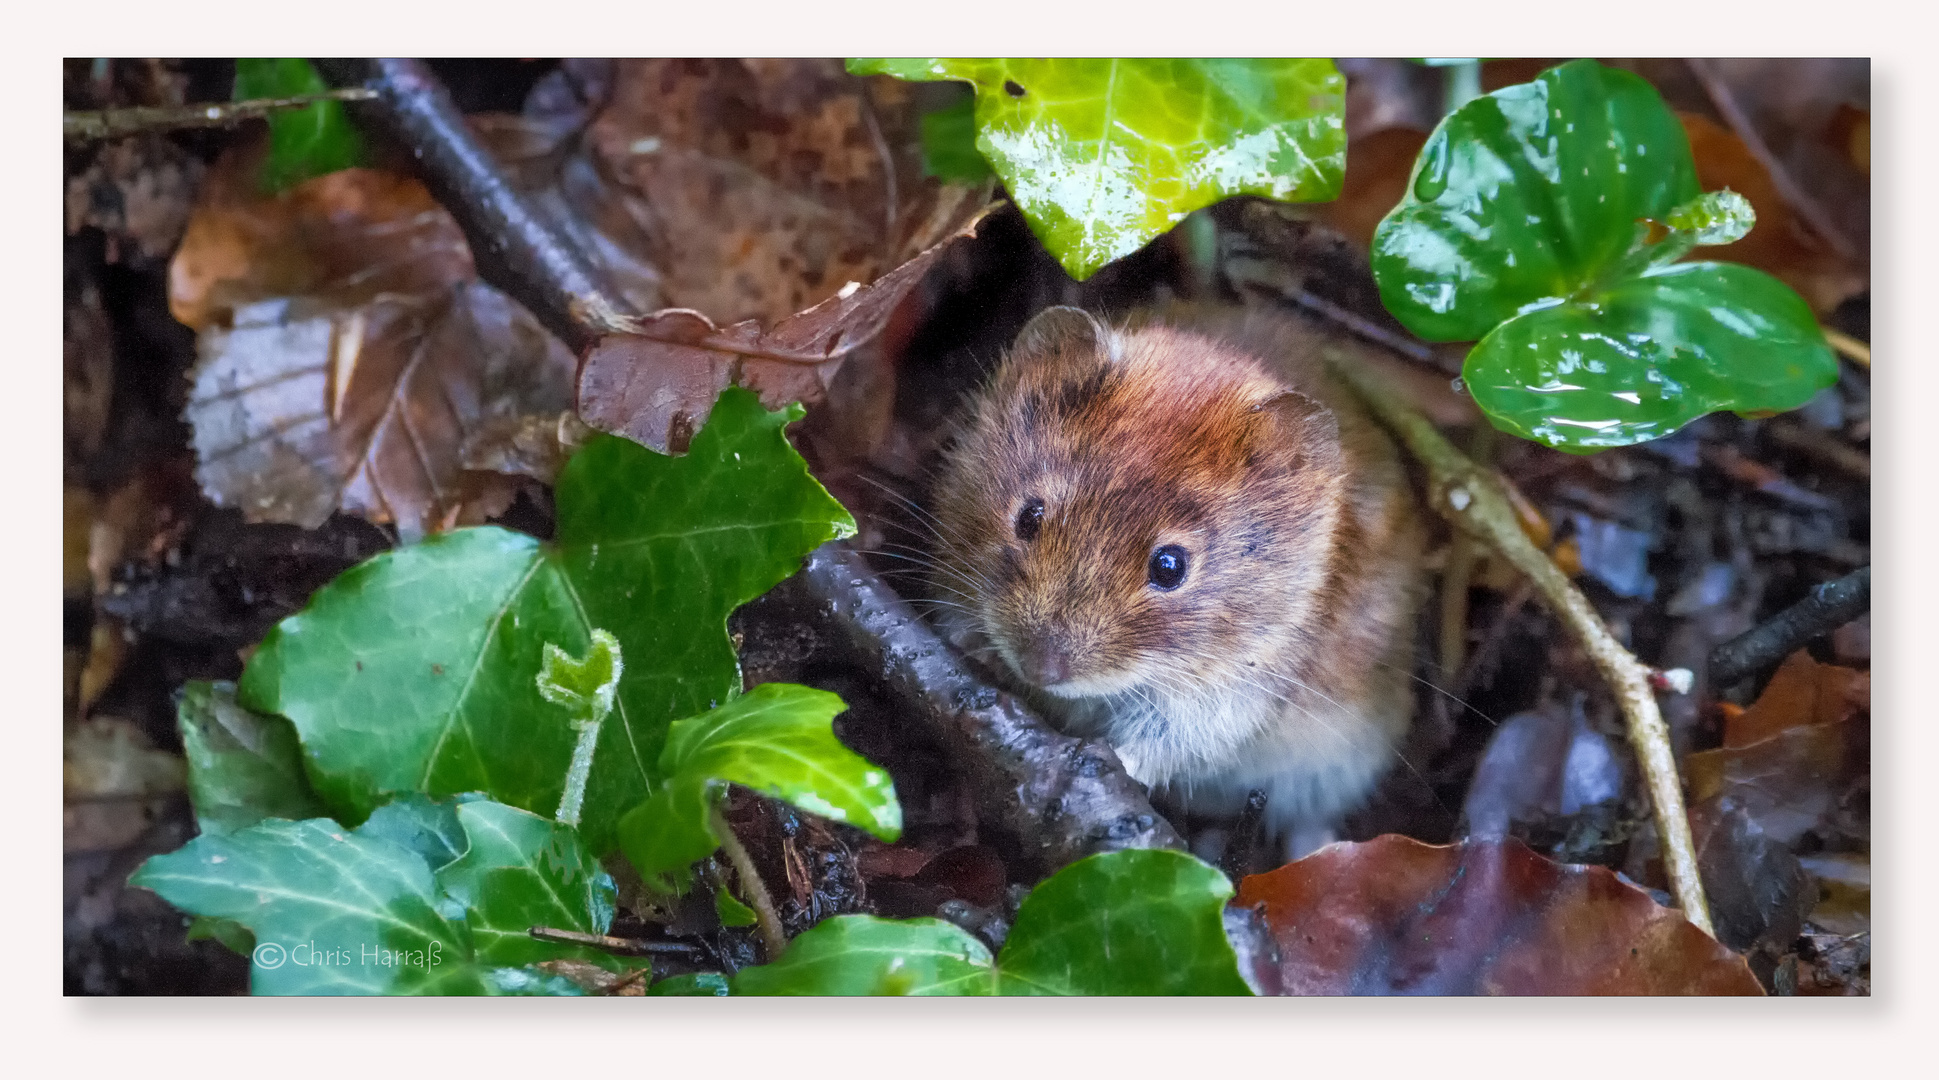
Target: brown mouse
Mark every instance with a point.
(1195, 546)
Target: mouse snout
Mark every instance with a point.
(1043, 661)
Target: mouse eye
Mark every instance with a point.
(1167, 568)
(1030, 519)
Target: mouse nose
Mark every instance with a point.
(1043, 663)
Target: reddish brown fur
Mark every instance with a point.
(1215, 431)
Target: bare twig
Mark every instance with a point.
(1849, 347)
(1061, 798)
(765, 915)
(1823, 447)
(1827, 607)
(618, 946)
(1807, 207)
(516, 249)
(1472, 499)
(86, 127)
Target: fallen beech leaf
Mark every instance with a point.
(1801, 692)
(349, 355)
(1395, 916)
(657, 385)
(1791, 783)
(764, 187)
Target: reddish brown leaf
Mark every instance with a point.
(1801, 692)
(657, 385)
(350, 359)
(1396, 916)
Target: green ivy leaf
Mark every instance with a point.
(429, 827)
(777, 739)
(697, 984)
(305, 142)
(1102, 155)
(337, 911)
(418, 670)
(1526, 226)
(861, 955)
(521, 871)
(1122, 922)
(243, 766)
(333, 912)
(949, 150)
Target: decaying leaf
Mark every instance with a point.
(349, 354)
(656, 385)
(1801, 692)
(138, 191)
(112, 781)
(1486, 916)
(777, 193)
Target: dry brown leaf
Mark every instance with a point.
(348, 353)
(1801, 692)
(113, 783)
(658, 385)
(1396, 916)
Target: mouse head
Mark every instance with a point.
(1145, 509)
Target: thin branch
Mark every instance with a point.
(1821, 446)
(765, 915)
(618, 946)
(516, 249)
(1827, 607)
(1255, 275)
(86, 127)
(1849, 347)
(1472, 499)
(1807, 207)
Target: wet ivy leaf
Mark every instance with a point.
(1121, 922)
(521, 871)
(1524, 226)
(1124, 922)
(777, 739)
(306, 142)
(698, 984)
(333, 912)
(1486, 916)
(243, 766)
(337, 911)
(1102, 155)
(861, 955)
(949, 144)
(429, 827)
(417, 670)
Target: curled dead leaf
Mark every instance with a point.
(349, 355)
(657, 384)
(1486, 916)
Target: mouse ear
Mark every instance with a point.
(1061, 329)
(1315, 430)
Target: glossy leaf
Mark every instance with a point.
(949, 150)
(333, 912)
(429, 827)
(417, 670)
(1649, 355)
(1104, 154)
(306, 142)
(860, 955)
(1525, 226)
(777, 739)
(1122, 922)
(336, 911)
(243, 766)
(521, 871)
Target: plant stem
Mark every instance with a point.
(765, 916)
(577, 772)
(1473, 500)
(1462, 84)
(1849, 347)
(85, 127)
